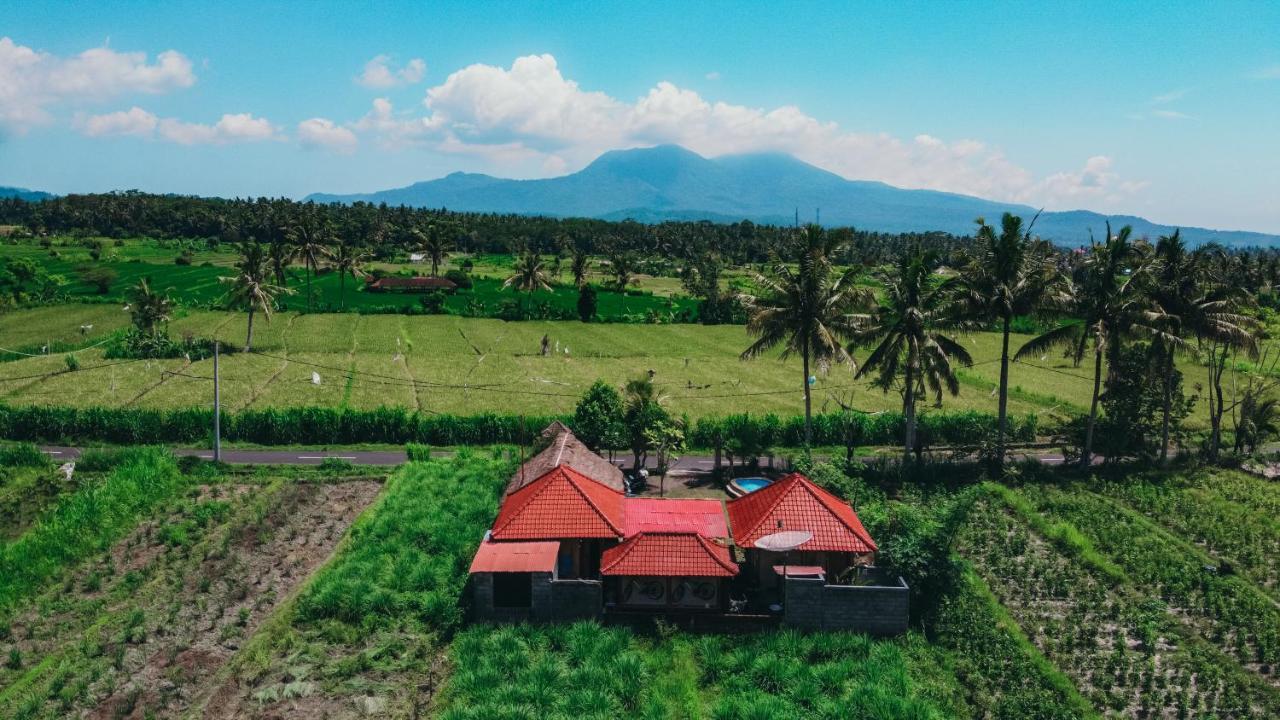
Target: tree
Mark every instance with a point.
(623, 267)
(436, 244)
(348, 259)
(311, 237)
(1005, 276)
(807, 310)
(905, 328)
(643, 412)
(102, 278)
(250, 288)
(148, 308)
(598, 418)
(281, 253)
(529, 274)
(1109, 302)
(578, 262)
(701, 277)
(587, 303)
(666, 437)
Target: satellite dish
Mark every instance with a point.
(784, 541)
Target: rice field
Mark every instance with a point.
(465, 365)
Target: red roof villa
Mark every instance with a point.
(568, 543)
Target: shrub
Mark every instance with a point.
(459, 278)
(23, 455)
(417, 452)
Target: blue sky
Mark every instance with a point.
(1167, 110)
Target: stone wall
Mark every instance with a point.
(871, 609)
(574, 600)
(551, 600)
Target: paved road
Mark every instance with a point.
(285, 456)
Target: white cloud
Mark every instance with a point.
(1171, 96)
(33, 82)
(1171, 115)
(378, 73)
(713, 75)
(230, 128)
(321, 132)
(134, 121)
(531, 121)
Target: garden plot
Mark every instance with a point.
(1241, 535)
(1226, 610)
(140, 631)
(58, 325)
(1126, 654)
(25, 492)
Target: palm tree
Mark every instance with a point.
(1006, 276)
(250, 288)
(808, 310)
(281, 253)
(436, 244)
(578, 265)
(149, 308)
(311, 238)
(904, 327)
(1109, 302)
(530, 274)
(623, 266)
(1199, 306)
(348, 259)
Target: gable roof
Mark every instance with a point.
(566, 449)
(668, 554)
(561, 503)
(515, 557)
(700, 516)
(799, 505)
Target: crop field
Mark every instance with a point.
(467, 365)
(179, 591)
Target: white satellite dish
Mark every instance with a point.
(784, 541)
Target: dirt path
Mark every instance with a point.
(262, 565)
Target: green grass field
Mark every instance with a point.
(462, 365)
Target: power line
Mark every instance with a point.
(66, 371)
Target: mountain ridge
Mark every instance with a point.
(672, 182)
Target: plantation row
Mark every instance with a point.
(395, 425)
(1119, 645)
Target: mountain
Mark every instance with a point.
(23, 193)
(668, 182)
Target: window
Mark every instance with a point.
(512, 590)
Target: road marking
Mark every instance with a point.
(51, 452)
(326, 457)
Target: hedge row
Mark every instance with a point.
(391, 425)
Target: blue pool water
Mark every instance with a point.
(752, 484)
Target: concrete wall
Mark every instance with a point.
(871, 609)
(552, 600)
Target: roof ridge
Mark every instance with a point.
(625, 547)
(706, 545)
(563, 438)
(565, 471)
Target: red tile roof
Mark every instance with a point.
(412, 283)
(704, 517)
(668, 554)
(800, 505)
(562, 503)
(515, 557)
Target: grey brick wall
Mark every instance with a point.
(871, 609)
(574, 600)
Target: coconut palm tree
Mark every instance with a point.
(909, 347)
(348, 259)
(808, 310)
(578, 266)
(1005, 276)
(1109, 302)
(436, 244)
(250, 288)
(623, 267)
(149, 308)
(311, 237)
(530, 274)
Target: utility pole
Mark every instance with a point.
(217, 408)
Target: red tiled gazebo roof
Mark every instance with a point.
(518, 557)
(701, 516)
(668, 554)
(799, 505)
(562, 503)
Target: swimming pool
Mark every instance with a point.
(742, 486)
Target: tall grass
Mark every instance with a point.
(408, 558)
(87, 521)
